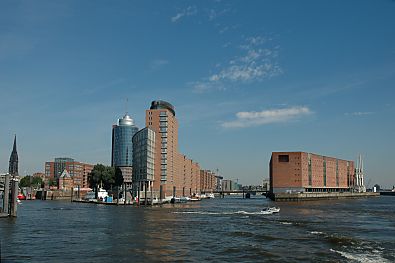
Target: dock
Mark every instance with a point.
(286, 197)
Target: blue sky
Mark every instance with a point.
(246, 78)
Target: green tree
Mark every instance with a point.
(25, 181)
(52, 182)
(37, 181)
(101, 174)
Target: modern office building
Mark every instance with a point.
(175, 174)
(122, 147)
(13, 164)
(306, 172)
(161, 119)
(230, 185)
(78, 171)
(144, 161)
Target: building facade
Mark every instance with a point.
(208, 181)
(122, 147)
(307, 172)
(230, 185)
(78, 171)
(144, 160)
(175, 174)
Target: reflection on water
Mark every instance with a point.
(216, 230)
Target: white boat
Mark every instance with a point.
(210, 195)
(271, 210)
(101, 195)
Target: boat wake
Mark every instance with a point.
(362, 256)
(223, 213)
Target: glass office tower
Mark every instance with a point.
(122, 144)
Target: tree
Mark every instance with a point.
(25, 181)
(28, 181)
(101, 174)
(52, 182)
(37, 181)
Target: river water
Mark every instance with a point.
(214, 230)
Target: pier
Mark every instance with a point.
(9, 191)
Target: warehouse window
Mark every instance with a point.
(283, 158)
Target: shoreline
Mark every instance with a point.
(286, 197)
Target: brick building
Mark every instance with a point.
(208, 181)
(307, 172)
(78, 171)
(175, 174)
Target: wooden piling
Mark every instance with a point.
(145, 193)
(6, 199)
(14, 197)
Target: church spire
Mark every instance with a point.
(13, 168)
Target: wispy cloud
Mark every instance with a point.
(358, 113)
(158, 63)
(189, 11)
(215, 13)
(246, 119)
(257, 62)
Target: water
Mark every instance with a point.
(216, 230)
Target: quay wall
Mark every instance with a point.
(387, 193)
(285, 197)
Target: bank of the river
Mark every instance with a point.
(286, 197)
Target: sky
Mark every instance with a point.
(246, 78)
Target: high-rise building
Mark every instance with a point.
(144, 160)
(307, 172)
(161, 118)
(13, 165)
(175, 174)
(122, 146)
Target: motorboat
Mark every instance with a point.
(195, 198)
(210, 195)
(271, 210)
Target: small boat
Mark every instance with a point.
(175, 200)
(271, 209)
(21, 197)
(210, 195)
(195, 198)
(184, 199)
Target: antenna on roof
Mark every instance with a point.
(126, 106)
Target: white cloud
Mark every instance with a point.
(359, 113)
(189, 11)
(158, 63)
(256, 63)
(252, 118)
